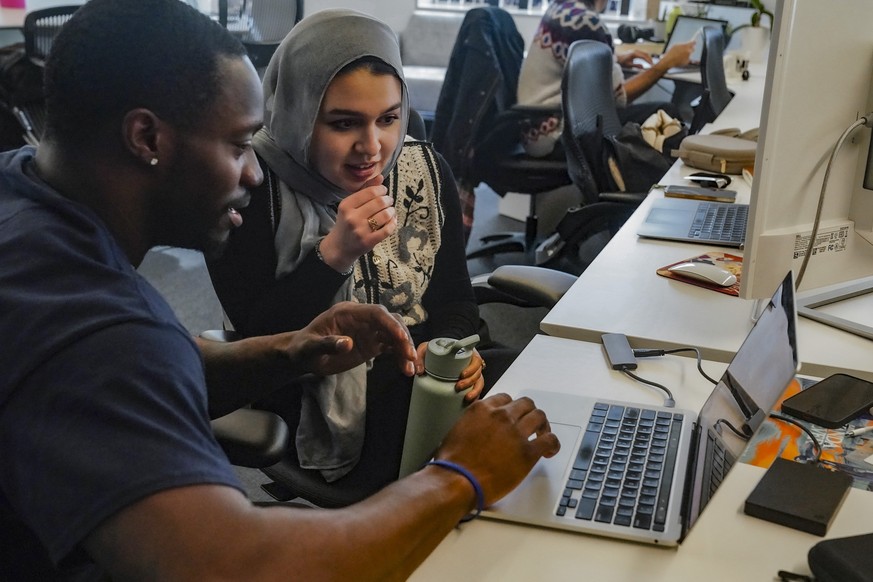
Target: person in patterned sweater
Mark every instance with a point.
(540, 79)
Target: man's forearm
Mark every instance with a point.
(213, 532)
(433, 501)
(240, 372)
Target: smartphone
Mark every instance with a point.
(831, 402)
(709, 180)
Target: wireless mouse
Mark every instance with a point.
(704, 272)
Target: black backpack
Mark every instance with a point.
(634, 165)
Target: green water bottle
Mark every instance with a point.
(435, 406)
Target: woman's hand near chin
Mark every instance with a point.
(364, 219)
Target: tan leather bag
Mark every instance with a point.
(726, 154)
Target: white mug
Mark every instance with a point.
(736, 64)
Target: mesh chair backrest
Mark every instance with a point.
(712, 69)
(260, 24)
(40, 29)
(272, 19)
(260, 21)
(590, 113)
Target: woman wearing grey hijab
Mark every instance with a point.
(350, 209)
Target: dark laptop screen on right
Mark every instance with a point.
(755, 379)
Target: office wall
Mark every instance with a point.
(393, 12)
(396, 13)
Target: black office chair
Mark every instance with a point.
(478, 126)
(260, 24)
(40, 29)
(716, 94)
(416, 127)
(590, 115)
(25, 99)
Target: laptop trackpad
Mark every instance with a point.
(670, 216)
(543, 486)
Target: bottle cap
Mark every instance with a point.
(446, 358)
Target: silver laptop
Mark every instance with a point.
(697, 221)
(644, 473)
(689, 28)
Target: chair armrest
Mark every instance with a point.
(249, 438)
(623, 197)
(221, 335)
(522, 285)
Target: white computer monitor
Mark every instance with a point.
(819, 81)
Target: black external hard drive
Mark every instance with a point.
(800, 496)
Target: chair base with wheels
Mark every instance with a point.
(510, 242)
(504, 166)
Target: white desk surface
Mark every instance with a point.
(724, 544)
(620, 291)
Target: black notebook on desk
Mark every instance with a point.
(644, 473)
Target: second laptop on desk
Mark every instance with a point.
(685, 29)
(697, 221)
(644, 473)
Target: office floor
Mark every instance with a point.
(182, 278)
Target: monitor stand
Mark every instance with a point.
(806, 306)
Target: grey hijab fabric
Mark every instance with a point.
(296, 79)
(331, 430)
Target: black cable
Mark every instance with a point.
(648, 353)
(732, 428)
(818, 448)
(669, 402)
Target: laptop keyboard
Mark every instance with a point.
(717, 462)
(720, 222)
(623, 470)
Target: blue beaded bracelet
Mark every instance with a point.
(480, 497)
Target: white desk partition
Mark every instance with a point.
(620, 291)
(724, 544)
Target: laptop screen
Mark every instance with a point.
(687, 28)
(755, 379)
